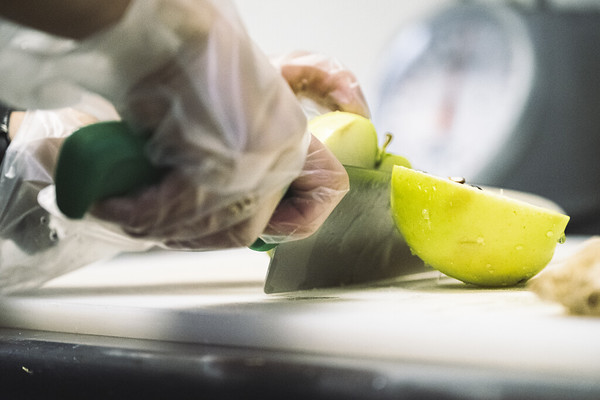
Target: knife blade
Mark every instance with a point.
(357, 244)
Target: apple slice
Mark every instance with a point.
(473, 235)
(350, 137)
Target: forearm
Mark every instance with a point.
(75, 19)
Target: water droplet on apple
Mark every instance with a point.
(425, 213)
(519, 248)
(480, 240)
(562, 238)
(549, 234)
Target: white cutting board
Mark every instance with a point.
(217, 298)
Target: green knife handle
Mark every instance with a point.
(261, 245)
(99, 161)
(102, 160)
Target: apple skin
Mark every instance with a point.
(350, 137)
(470, 234)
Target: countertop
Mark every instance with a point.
(445, 329)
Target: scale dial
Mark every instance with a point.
(454, 87)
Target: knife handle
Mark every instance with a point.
(102, 160)
(99, 161)
(261, 245)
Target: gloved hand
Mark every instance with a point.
(323, 182)
(219, 116)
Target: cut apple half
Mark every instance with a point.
(477, 236)
(350, 137)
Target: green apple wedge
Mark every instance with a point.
(476, 236)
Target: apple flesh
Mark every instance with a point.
(350, 137)
(473, 235)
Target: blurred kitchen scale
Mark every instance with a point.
(505, 94)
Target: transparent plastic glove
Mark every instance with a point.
(324, 80)
(310, 198)
(218, 115)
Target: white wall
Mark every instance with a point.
(354, 31)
